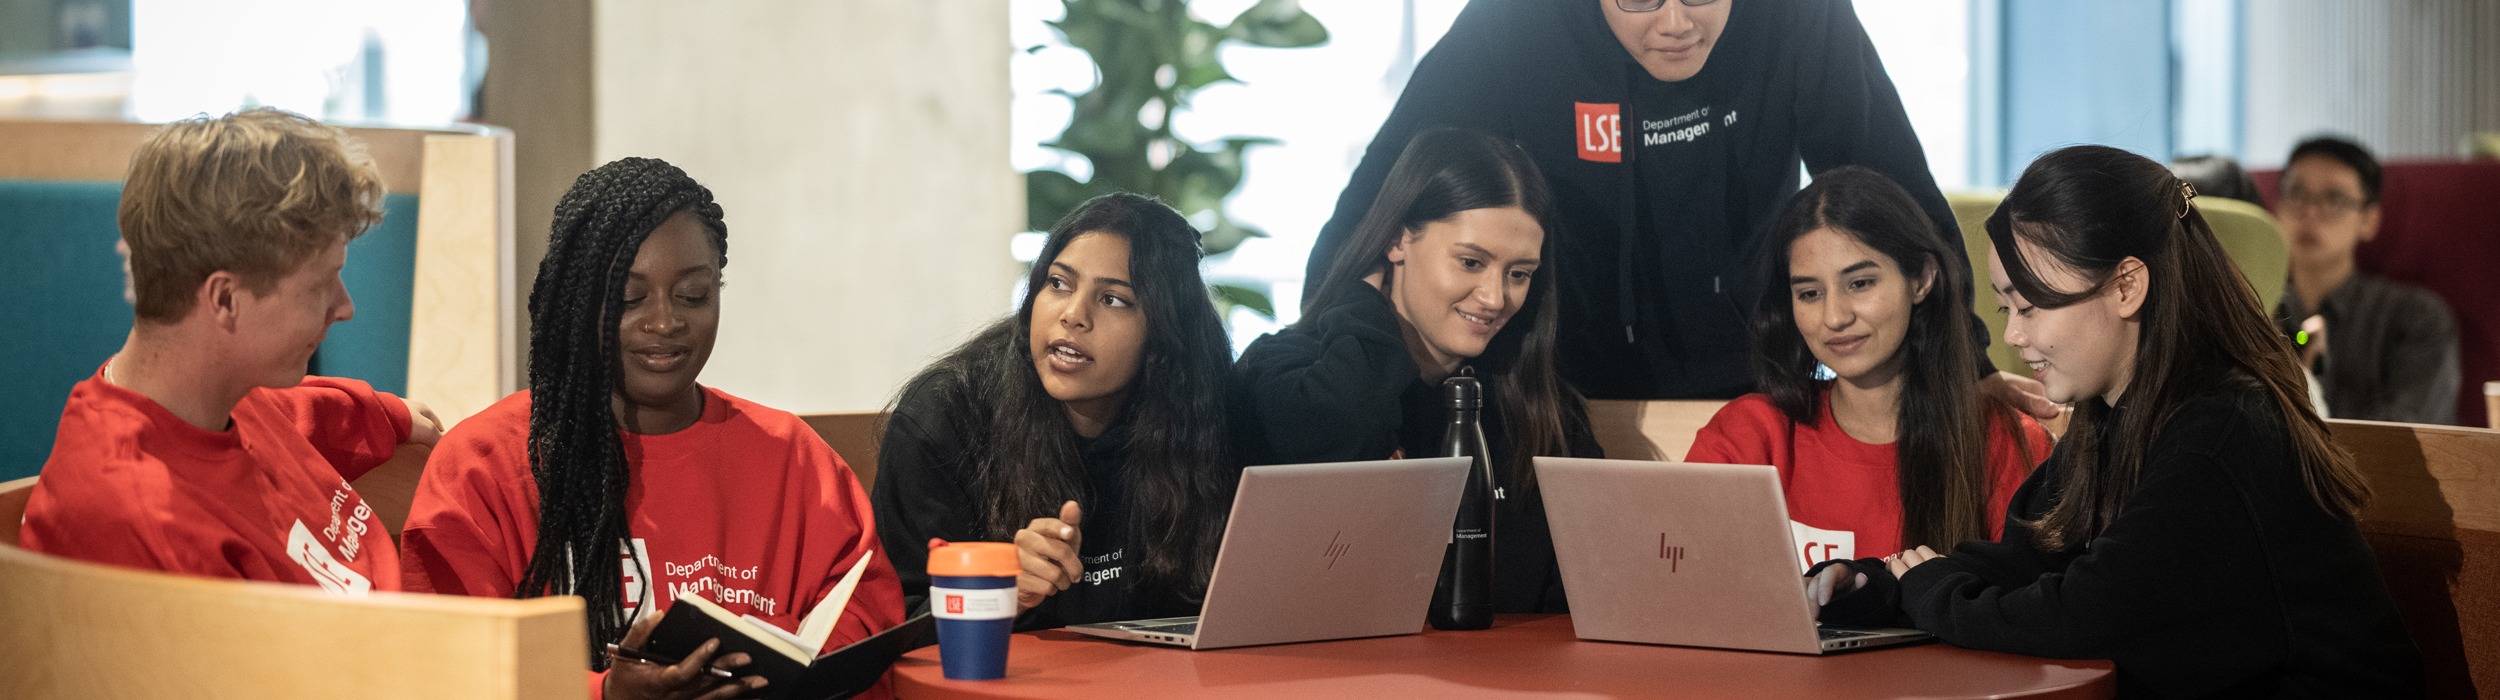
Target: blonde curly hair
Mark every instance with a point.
(256, 192)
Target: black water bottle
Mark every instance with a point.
(1463, 598)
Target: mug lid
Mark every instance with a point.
(974, 559)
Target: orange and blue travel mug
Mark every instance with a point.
(972, 592)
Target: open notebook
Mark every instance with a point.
(787, 659)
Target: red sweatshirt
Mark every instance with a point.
(1845, 494)
(266, 499)
(747, 507)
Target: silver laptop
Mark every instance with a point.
(1320, 551)
(1687, 554)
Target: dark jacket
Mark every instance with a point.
(1653, 256)
(1339, 386)
(2220, 577)
(928, 486)
(2391, 353)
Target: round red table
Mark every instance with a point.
(1523, 655)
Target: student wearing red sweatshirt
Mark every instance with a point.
(615, 457)
(201, 447)
(1900, 446)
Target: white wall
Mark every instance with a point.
(859, 149)
(2410, 79)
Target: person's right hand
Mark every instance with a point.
(1047, 549)
(424, 428)
(1830, 583)
(635, 680)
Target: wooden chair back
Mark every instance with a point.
(2434, 524)
(1654, 430)
(82, 630)
(854, 435)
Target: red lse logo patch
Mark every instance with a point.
(954, 605)
(1601, 131)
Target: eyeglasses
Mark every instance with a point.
(2329, 205)
(1653, 5)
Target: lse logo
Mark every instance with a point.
(1601, 131)
(1335, 550)
(1816, 544)
(954, 604)
(1673, 555)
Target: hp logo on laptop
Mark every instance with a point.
(1674, 555)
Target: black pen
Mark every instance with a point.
(624, 654)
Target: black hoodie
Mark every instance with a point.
(2220, 577)
(928, 486)
(1654, 262)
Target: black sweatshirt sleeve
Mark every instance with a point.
(1328, 388)
(2176, 550)
(1875, 604)
(923, 489)
(2011, 561)
(1850, 114)
(1449, 88)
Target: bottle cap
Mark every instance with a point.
(1462, 392)
(974, 559)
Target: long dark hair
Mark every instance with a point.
(1445, 171)
(1179, 451)
(2091, 207)
(1943, 473)
(574, 452)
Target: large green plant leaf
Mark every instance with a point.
(1150, 58)
(1227, 296)
(1279, 24)
(1226, 235)
(1195, 62)
(1050, 194)
(1197, 180)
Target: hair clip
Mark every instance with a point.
(2187, 199)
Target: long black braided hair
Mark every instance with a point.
(575, 307)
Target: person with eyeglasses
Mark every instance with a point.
(1670, 132)
(2394, 354)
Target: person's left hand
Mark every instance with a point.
(423, 427)
(2024, 393)
(1902, 563)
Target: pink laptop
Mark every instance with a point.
(1319, 551)
(1686, 554)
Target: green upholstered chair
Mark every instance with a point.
(2255, 243)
